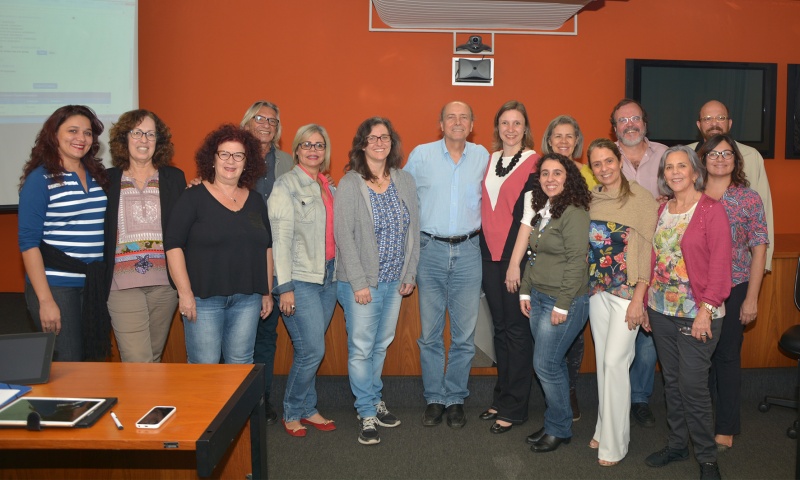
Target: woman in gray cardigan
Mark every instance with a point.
(377, 249)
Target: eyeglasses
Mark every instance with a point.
(224, 156)
(319, 146)
(375, 138)
(626, 120)
(137, 134)
(271, 120)
(685, 330)
(709, 118)
(714, 154)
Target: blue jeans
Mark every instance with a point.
(550, 345)
(225, 329)
(69, 342)
(314, 308)
(643, 369)
(370, 330)
(449, 277)
(266, 342)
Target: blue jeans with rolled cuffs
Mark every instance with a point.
(550, 345)
(314, 305)
(370, 331)
(225, 329)
(449, 277)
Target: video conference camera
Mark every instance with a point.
(475, 45)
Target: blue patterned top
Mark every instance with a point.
(391, 220)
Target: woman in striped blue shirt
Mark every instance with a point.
(62, 202)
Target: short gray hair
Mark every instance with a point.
(563, 120)
(694, 160)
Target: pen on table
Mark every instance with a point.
(116, 421)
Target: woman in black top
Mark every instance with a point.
(219, 249)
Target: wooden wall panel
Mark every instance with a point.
(775, 306)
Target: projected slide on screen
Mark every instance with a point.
(60, 52)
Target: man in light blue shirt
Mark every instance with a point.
(448, 174)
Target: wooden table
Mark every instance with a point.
(208, 436)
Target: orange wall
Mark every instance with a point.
(202, 62)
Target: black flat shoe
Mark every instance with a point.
(272, 416)
(488, 415)
(455, 416)
(548, 443)
(497, 428)
(433, 414)
(534, 437)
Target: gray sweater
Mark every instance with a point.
(356, 245)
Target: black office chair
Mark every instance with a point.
(790, 343)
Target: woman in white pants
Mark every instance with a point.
(623, 219)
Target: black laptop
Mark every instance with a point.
(25, 358)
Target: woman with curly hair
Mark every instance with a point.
(554, 288)
(219, 250)
(62, 201)
(563, 135)
(143, 190)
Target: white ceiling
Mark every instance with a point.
(478, 14)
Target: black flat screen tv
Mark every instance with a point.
(672, 92)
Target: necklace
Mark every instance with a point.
(378, 185)
(223, 192)
(502, 171)
(537, 220)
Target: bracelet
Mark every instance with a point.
(710, 308)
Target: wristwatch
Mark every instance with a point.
(711, 308)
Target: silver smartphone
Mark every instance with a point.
(155, 417)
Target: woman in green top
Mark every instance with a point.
(554, 288)
(563, 135)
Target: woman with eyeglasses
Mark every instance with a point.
(563, 135)
(691, 278)
(554, 289)
(508, 176)
(219, 253)
(301, 215)
(63, 279)
(377, 250)
(623, 218)
(263, 119)
(727, 184)
(143, 190)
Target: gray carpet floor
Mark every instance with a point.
(411, 451)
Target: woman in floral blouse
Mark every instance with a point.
(623, 218)
(691, 278)
(727, 183)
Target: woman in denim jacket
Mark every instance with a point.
(301, 216)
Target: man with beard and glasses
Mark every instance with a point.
(640, 160)
(715, 119)
(640, 156)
